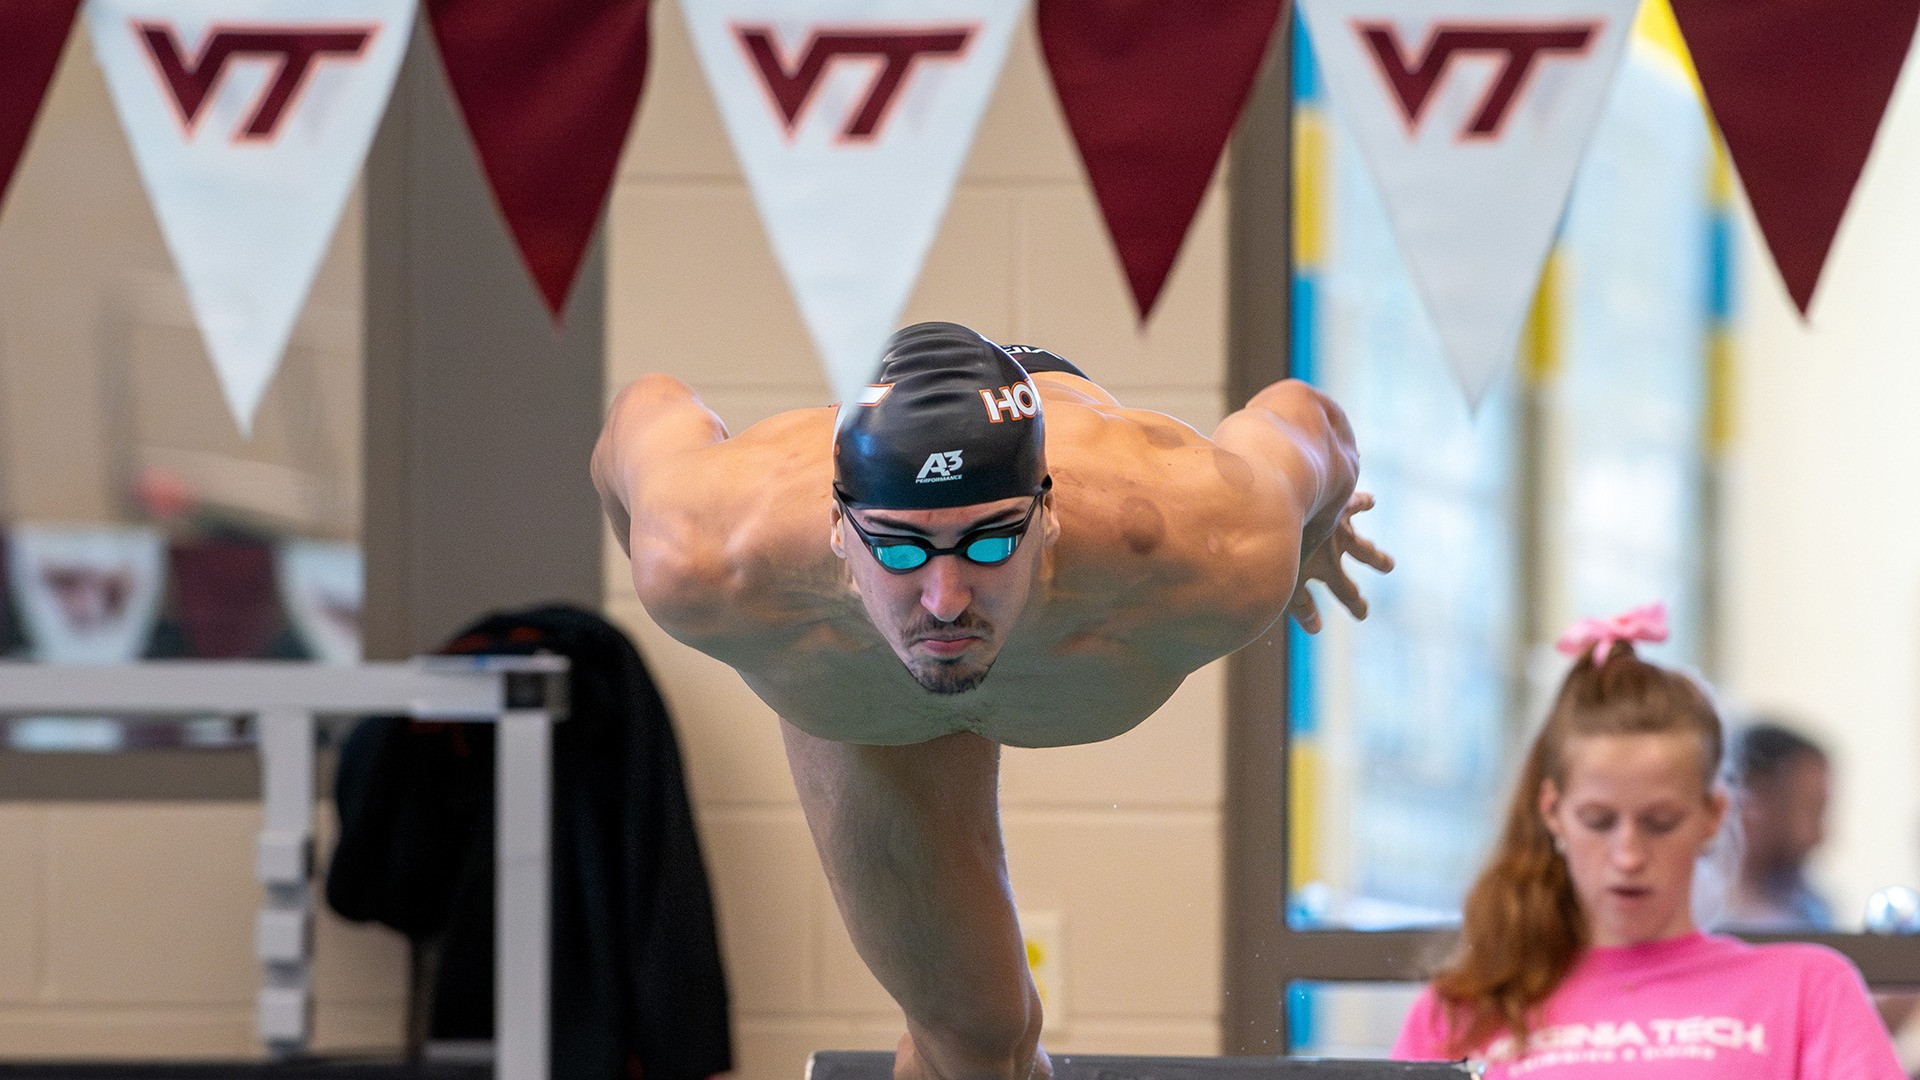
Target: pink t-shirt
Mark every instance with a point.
(1699, 1007)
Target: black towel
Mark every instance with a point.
(638, 989)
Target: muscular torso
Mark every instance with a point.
(1171, 551)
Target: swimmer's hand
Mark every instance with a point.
(1323, 564)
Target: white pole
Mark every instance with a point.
(283, 933)
(523, 799)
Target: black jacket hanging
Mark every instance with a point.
(638, 989)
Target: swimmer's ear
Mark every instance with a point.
(833, 533)
(1053, 520)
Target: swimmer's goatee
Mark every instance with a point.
(951, 420)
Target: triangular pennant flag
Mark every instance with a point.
(1472, 116)
(1798, 88)
(851, 119)
(548, 89)
(32, 33)
(321, 586)
(86, 595)
(249, 120)
(1151, 91)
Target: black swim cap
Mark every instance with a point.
(1036, 360)
(951, 420)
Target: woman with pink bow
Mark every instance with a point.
(1578, 954)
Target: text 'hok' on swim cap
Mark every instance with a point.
(951, 420)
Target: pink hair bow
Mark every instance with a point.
(1598, 635)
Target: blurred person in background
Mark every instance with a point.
(1782, 782)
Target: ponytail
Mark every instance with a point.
(1521, 925)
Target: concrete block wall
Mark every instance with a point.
(126, 931)
(1121, 839)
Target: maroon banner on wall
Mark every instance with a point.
(32, 33)
(548, 88)
(1151, 90)
(1798, 88)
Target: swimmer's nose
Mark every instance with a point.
(943, 590)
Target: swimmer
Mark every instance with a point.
(1578, 954)
(982, 554)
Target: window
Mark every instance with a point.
(1574, 489)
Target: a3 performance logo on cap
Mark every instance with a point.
(872, 394)
(1016, 402)
(941, 466)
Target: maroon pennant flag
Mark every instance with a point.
(1151, 90)
(32, 33)
(1798, 88)
(548, 88)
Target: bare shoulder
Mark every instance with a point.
(1198, 535)
(1283, 419)
(729, 543)
(1127, 459)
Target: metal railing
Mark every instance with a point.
(523, 695)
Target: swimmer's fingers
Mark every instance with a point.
(1304, 610)
(1368, 552)
(1359, 546)
(1345, 591)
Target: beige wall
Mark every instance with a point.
(126, 931)
(1121, 839)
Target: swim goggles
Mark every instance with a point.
(986, 547)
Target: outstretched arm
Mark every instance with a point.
(1303, 437)
(726, 536)
(653, 421)
(910, 840)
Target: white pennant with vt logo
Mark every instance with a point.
(1472, 116)
(250, 120)
(88, 595)
(851, 119)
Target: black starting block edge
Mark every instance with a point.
(878, 1065)
(295, 1069)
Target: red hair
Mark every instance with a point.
(1521, 926)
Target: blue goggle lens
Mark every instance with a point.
(987, 551)
(899, 556)
(991, 550)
